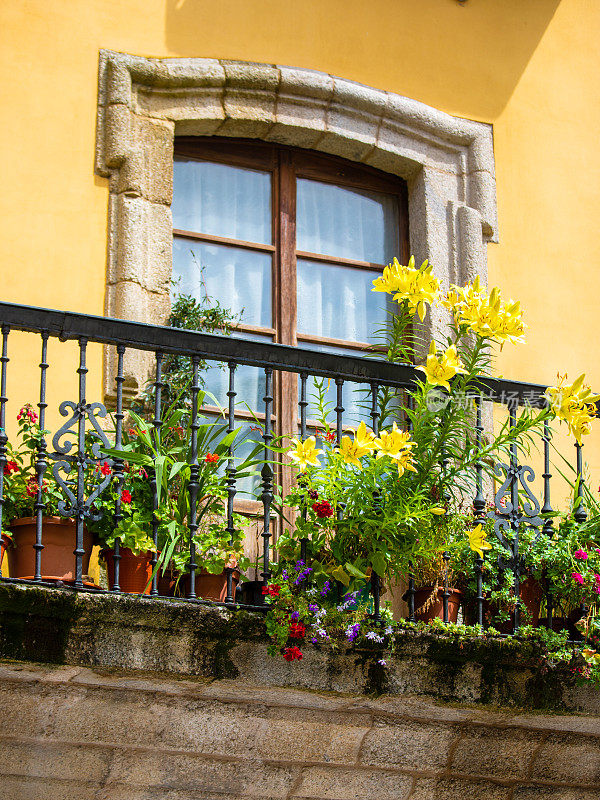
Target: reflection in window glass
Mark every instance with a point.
(338, 302)
(347, 223)
(247, 438)
(356, 397)
(237, 278)
(249, 383)
(221, 200)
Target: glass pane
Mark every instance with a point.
(249, 382)
(337, 302)
(356, 397)
(248, 436)
(222, 201)
(347, 223)
(238, 278)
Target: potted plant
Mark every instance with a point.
(19, 511)
(167, 455)
(383, 491)
(124, 515)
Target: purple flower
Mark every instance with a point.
(302, 575)
(325, 589)
(374, 637)
(314, 640)
(285, 575)
(382, 662)
(313, 608)
(352, 631)
(299, 564)
(295, 616)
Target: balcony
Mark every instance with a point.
(183, 641)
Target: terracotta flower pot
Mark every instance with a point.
(435, 608)
(59, 540)
(209, 586)
(134, 570)
(531, 594)
(167, 581)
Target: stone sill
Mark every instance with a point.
(177, 638)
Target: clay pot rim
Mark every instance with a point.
(130, 554)
(48, 520)
(431, 587)
(204, 571)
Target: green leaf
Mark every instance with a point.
(159, 466)
(378, 562)
(339, 574)
(357, 573)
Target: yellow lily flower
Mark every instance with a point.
(438, 371)
(305, 453)
(351, 452)
(364, 438)
(486, 315)
(392, 443)
(417, 286)
(389, 279)
(405, 462)
(581, 422)
(591, 656)
(574, 403)
(477, 540)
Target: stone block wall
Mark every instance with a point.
(76, 732)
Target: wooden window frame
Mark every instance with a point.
(286, 164)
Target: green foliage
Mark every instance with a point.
(189, 313)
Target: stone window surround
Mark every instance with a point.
(143, 103)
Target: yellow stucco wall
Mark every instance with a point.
(529, 67)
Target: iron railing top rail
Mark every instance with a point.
(69, 325)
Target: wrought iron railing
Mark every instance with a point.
(515, 503)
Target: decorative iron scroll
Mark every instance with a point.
(77, 503)
(514, 506)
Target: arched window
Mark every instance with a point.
(289, 240)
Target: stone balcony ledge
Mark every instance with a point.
(180, 638)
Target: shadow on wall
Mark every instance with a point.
(462, 57)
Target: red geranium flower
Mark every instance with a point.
(32, 487)
(126, 496)
(291, 653)
(105, 469)
(211, 458)
(323, 509)
(272, 589)
(297, 630)
(10, 466)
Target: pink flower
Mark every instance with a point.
(27, 412)
(580, 554)
(577, 578)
